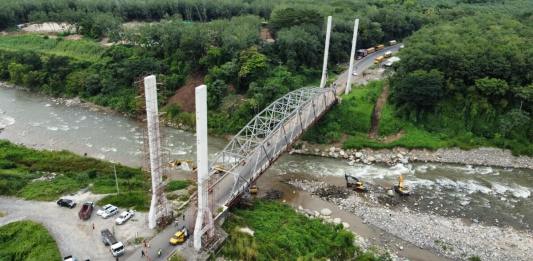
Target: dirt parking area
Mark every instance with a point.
(74, 236)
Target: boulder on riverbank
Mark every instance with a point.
(480, 156)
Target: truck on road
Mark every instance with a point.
(116, 247)
(379, 59)
(361, 53)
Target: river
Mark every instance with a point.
(493, 196)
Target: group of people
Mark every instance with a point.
(146, 246)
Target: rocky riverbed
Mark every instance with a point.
(451, 237)
(480, 156)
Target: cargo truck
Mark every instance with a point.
(361, 53)
(116, 247)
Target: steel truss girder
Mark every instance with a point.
(263, 125)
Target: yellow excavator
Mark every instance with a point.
(253, 189)
(354, 182)
(401, 189)
(187, 165)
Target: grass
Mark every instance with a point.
(177, 185)
(351, 118)
(280, 233)
(27, 240)
(177, 257)
(137, 200)
(20, 166)
(85, 50)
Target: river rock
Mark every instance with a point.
(325, 212)
(358, 154)
(371, 159)
(390, 192)
(345, 225)
(337, 221)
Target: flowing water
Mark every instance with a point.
(491, 195)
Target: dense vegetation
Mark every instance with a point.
(280, 233)
(464, 83)
(27, 240)
(24, 173)
(219, 41)
(395, 131)
(470, 77)
(470, 62)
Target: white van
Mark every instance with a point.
(117, 249)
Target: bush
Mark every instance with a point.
(20, 165)
(27, 240)
(177, 185)
(138, 200)
(280, 232)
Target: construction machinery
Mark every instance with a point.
(253, 189)
(401, 189)
(355, 183)
(180, 236)
(187, 165)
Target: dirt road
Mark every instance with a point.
(74, 236)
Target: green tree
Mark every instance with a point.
(253, 64)
(491, 87)
(215, 92)
(419, 89)
(17, 72)
(289, 17)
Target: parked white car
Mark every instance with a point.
(101, 211)
(124, 216)
(110, 212)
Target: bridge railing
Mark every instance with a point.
(264, 139)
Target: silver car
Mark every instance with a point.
(110, 212)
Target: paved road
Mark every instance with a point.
(362, 65)
(73, 236)
(161, 241)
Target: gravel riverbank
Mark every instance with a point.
(481, 156)
(450, 237)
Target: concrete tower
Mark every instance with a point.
(204, 219)
(352, 57)
(158, 203)
(326, 52)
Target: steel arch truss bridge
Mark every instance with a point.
(262, 141)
